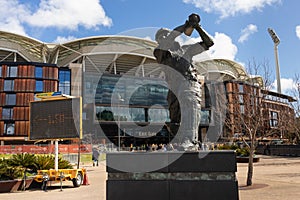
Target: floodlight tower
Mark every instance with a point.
(276, 41)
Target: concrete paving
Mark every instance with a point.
(274, 178)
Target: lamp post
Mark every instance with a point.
(276, 41)
(119, 99)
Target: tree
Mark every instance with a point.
(246, 115)
(294, 127)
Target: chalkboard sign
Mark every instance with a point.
(55, 119)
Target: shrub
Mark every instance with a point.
(8, 172)
(15, 166)
(48, 161)
(23, 160)
(243, 152)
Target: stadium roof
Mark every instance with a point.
(112, 54)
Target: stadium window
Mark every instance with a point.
(39, 86)
(10, 99)
(241, 88)
(242, 109)
(38, 72)
(65, 81)
(7, 113)
(241, 99)
(9, 128)
(273, 119)
(8, 85)
(12, 71)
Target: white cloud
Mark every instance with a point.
(228, 8)
(246, 32)
(63, 14)
(11, 16)
(223, 47)
(287, 85)
(298, 31)
(61, 39)
(69, 14)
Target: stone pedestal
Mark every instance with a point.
(172, 175)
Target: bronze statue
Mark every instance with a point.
(185, 95)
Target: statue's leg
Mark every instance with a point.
(172, 106)
(190, 112)
(174, 113)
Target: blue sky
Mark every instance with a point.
(238, 27)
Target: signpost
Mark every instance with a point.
(57, 117)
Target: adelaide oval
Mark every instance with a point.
(122, 87)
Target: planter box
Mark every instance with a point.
(8, 186)
(27, 184)
(16, 186)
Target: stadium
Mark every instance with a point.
(122, 88)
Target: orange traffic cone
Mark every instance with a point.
(85, 179)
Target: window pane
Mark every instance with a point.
(158, 115)
(241, 88)
(0, 71)
(7, 113)
(126, 114)
(39, 86)
(10, 99)
(12, 71)
(38, 72)
(242, 109)
(9, 129)
(65, 81)
(8, 85)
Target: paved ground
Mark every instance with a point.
(274, 178)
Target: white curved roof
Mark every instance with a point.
(223, 69)
(17, 47)
(116, 54)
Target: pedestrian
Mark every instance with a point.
(95, 157)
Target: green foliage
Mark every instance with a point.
(64, 164)
(243, 152)
(15, 166)
(23, 160)
(44, 162)
(48, 162)
(240, 151)
(9, 172)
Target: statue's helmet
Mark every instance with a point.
(161, 33)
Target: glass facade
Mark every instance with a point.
(64, 77)
(134, 90)
(131, 114)
(142, 99)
